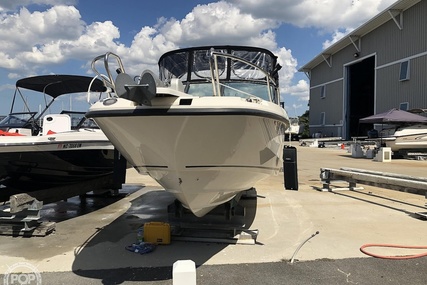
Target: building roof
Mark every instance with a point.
(391, 12)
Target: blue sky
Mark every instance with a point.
(62, 36)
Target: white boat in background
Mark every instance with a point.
(404, 132)
(294, 130)
(409, 138)
(40, 150)
(208, 129)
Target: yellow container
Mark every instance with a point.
(157, 232)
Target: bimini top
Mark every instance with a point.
(57, 85)
(193, 64)
(394, 116)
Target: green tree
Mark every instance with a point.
(304, 120)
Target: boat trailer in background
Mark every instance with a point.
(404, 183)
(399, 182)
(20, 215)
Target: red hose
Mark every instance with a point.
(362, 249)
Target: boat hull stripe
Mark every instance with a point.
(210, 166)
(231, 166)
(185, 112)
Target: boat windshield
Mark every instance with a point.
(78, 120)
(235, 89)
(18, 120)
(223, 71)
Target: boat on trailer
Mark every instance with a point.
(39, 150)
(405, 132)
(408, 140)
(295, 129)
(207, 128)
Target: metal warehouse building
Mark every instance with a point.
(379, 66)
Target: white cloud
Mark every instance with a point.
(27, 38)
(149, 44)
(59, 33)
(34, 41)
(13, 76)
(336, 36)
(218, 23)
(328, 15)
(301, 90)
(211, 24)
(288, 64)
(97, 38)
(289, 68)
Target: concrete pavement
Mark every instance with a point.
(90, 248)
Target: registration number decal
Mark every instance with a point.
(69, 145)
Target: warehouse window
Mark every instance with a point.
(404, 106)
(404, 70)
(322, 118)
(323, 92)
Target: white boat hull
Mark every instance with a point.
(412, 137)
(199, 154)
(209, 127)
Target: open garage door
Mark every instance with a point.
(360, 96)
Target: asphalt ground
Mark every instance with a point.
(88, 246)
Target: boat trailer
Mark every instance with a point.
(227, 223)
(399, 182)
(21, 216)
(405, 183)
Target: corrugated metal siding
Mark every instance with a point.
(323, 73)
(363, 30)
(418, 88)
(390, 45)
(391, 92)
(329, 105)
(387, 83)
(334, 103)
